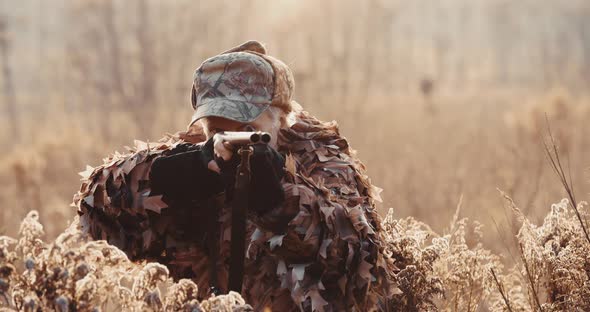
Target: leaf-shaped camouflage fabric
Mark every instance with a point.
(321, 250)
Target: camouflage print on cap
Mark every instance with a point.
(240, 84)
(237, 86)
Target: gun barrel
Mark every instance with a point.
(245, 137)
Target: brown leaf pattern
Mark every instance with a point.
(320, 251)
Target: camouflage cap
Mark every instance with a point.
(240, 84)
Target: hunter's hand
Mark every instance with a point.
(182, 174)
(221, 149)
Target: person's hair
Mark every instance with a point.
(279, 116)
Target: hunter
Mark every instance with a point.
(312, 239)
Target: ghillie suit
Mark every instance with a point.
(328, 256)
(320, 250)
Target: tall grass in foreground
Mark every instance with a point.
(450, 272)
(76, 274)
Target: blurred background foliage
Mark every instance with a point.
(442, 99)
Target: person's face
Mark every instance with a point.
(266, 122)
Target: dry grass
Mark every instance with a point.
(451, 272)
(73, 273)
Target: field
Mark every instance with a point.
(448, 104)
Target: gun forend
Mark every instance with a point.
(245, 137)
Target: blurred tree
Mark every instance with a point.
(144, 101)
(7, 79)
(584, 37)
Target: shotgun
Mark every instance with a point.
(240, 202)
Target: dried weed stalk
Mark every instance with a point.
(451, 272)
(75, 274)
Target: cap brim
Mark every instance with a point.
(240, 111)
